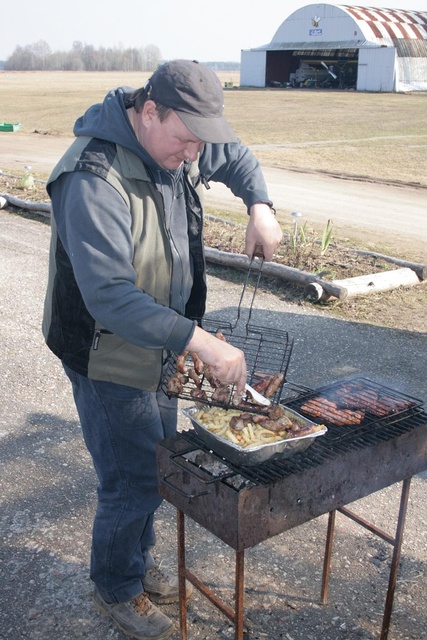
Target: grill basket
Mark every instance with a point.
(267, 352)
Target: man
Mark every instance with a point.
(127, 286)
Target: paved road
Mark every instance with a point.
(377, 208)
(400, 211)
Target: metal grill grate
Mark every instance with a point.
(358, 399)
(267, 351)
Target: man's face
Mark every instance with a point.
(169, 143)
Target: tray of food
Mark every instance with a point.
(246, 438)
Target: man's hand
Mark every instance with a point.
(227, 363)
(262, 230)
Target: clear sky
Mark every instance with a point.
(203, 29)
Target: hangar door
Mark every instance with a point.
(335, 68)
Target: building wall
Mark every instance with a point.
(411, 74)
(253, 68)
(314, 23)
(376, 70)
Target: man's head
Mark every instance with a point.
(194, 93)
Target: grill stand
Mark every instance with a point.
(396, 542)
(333, 473)
(236, 616)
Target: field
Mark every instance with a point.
(380, 136)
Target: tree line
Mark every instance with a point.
(85, 57)
(82, 57)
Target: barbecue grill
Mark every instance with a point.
(254, 503)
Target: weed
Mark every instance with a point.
(326, 237)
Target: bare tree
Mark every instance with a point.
(83, 57)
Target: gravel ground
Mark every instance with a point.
(48, 487)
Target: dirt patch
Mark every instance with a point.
(402, 308)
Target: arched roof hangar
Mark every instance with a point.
(343, 46)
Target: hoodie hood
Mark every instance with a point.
(108, 120)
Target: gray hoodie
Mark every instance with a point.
(94, 228)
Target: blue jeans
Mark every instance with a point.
(121, 426)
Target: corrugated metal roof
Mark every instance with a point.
(338, 44)
(411, 48)
(389, 24)
(376, 27)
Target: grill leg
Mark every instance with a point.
(397, 544)
(327, 557)
(239, 587)
(235, 615)
(181, 574)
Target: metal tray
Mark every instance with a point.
(254, 455)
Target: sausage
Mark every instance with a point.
(198, 364)
(274, 385)
(194, 377)
(327, 410)
(180, 362)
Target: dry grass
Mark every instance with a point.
(380, 136)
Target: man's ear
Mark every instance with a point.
(149, 111)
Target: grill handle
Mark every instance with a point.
(165, 480)
(257, 265)
(183, 463)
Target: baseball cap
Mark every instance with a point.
(195, 93)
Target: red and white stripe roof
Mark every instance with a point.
(386, 24)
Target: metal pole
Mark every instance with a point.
(327, 557)
(181, 574)
(239, 586)
(396, 558)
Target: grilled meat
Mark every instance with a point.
(181, 366)
(194, 377)
(222, 394)
(262, 384)
(175, 386)
(237, 423)
(198, 394)
(198, 364)
(274, 385)
(329, 411)
(209, 376)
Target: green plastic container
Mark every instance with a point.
(8, 126)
